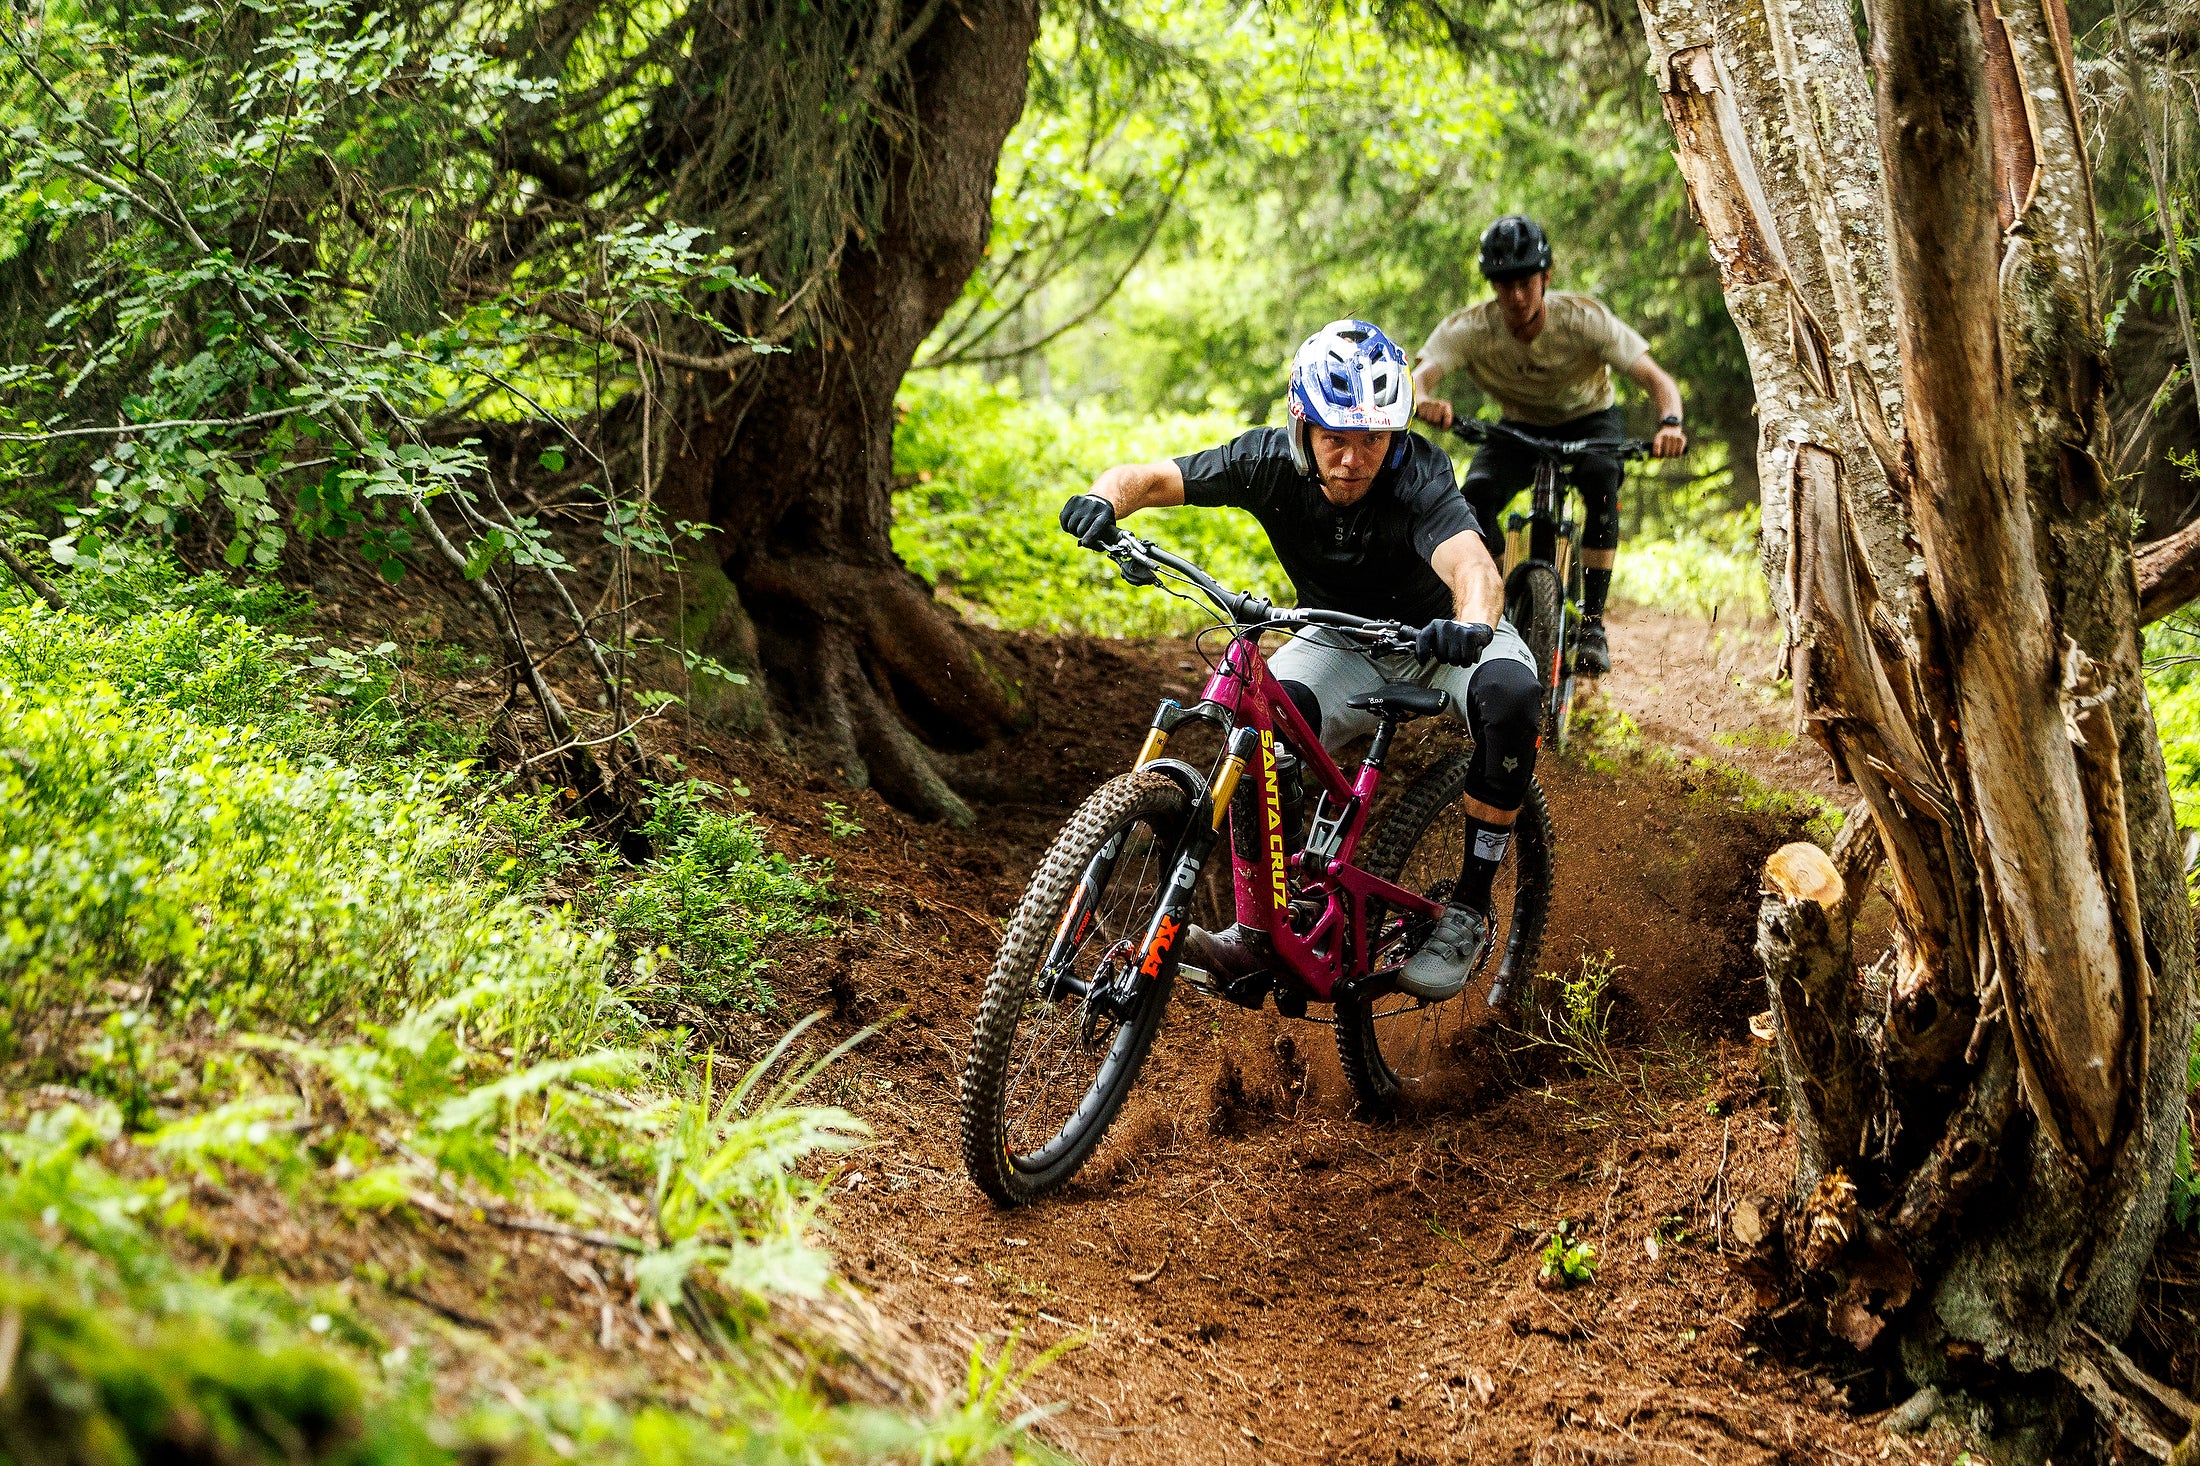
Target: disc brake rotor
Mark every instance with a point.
(1096, 1026)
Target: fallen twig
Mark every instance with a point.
(651, 716)
(458, 1316)
(555, 1229)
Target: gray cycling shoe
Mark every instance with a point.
(1439, 969)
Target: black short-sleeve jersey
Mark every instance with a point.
(1370, 559)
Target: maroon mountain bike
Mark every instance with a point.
(1090, 958)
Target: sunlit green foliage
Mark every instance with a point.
(987, 470)
(151, 823)
(2173, 687)
(716, 896)
(1711, 571)
(1173, 216)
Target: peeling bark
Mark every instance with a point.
(1912, 274)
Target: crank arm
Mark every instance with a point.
(1369, 986)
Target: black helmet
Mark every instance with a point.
(1514, 247)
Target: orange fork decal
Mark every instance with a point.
(1163, 938)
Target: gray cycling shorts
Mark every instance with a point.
(1336, 670)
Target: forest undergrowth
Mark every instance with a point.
(286, 977)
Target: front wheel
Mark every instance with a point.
(1562, 702)
(1050, 1064)
(1394, 1046)
(1536, 603)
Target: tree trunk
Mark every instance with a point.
(1913, 276)
(794, 464)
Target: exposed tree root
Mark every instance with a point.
(863, 661)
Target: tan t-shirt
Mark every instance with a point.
(1564, 372)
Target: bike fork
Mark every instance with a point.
(1157, 954)
(1076, 921)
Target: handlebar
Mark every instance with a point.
(1475, 430)
(1139, 558)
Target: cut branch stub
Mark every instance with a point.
(2169, 573)
(1803, 941)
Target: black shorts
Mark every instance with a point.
(1501, 470)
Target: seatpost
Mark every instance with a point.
(1380, 747)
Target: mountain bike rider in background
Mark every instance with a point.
(1366, 518)
(1546, 359)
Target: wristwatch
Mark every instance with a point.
(1669, 422)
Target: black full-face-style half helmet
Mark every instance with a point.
(1514, 248)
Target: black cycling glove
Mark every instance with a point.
(1460, 643)
(1091, 519)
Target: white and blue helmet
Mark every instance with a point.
(1349, 377)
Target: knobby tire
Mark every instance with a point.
(1531, 858)
(1534, 604)
(1012, 1003)
(1562, 706)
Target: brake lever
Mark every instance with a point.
(1136, 569)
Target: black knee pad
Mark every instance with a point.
(1302, 698)
(1601, 530)
(1505, 711)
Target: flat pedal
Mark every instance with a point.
(1250, 991)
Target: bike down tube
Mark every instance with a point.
(1078, 914)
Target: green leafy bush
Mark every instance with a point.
(986, 470)
(272, 969)
(716, 897)
(152, 822)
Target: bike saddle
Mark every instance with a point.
(1402, 702)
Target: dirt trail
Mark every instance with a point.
(1256, 1275)
(1712, 691)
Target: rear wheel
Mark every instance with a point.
(1050, 1064)
(1394, 1046)
(1535, 603)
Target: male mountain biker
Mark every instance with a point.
(1546, 359)
(1367, 519)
